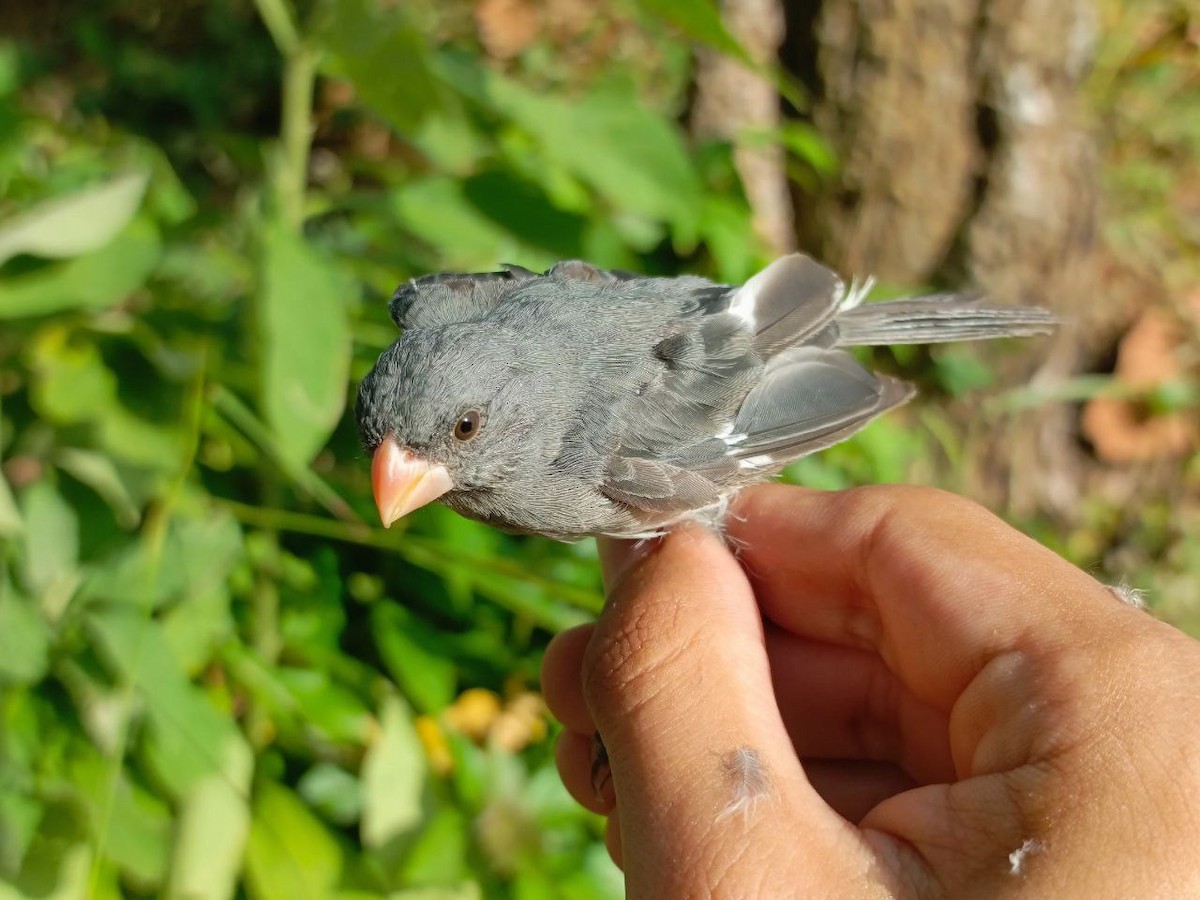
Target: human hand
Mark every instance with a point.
(894, 695)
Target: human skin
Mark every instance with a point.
(888, 692)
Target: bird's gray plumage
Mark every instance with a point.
(618, 404)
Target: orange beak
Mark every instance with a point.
(403, 481)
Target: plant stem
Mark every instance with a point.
(497, 579)
(296, 129)
(290, 184)
(296, 125)
(228, 405)
(277, 16)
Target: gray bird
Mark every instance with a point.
(586, 401)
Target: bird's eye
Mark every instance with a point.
(468, 425)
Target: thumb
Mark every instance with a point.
(677, 680)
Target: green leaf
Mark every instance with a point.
(186, 738)
(19, 818)
(523, 210)
(101, 474)
(608, 138)
(435, 210)
(466, 890)
(134, 825)
(290, 855)
(386, 59)
(210, 840)
(698, 19)
(305, 342)
(190, 563)
(325, 706)
(24, 638)
(11, 523)
(438, 855)
(393, 777)
(196, 626)
(54, 871)
(77, 223)
(71, 382)
(94, 281)
(333, 792)
(404, 642)
(51, 537)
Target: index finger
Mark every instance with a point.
(934, 583)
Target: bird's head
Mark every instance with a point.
(440, 412)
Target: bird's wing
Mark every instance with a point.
(791, 300)
(452, 298)
(432, 301)
(656, 486)
(808, 399)
(578, 270)
(693, 436)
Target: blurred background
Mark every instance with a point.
(218, 676)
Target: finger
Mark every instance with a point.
(854, 787)
(573, 756)
(677, 679)
(617, 557)
(843, 703)
(560, 679)
(936, 584)
(612, 840)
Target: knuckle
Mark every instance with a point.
(631, 658)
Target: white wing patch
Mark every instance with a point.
(857, 293)
(755, 462)
(742, 305)
(726, 434)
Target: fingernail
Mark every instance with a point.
(618, 557)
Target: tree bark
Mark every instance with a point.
(967, 158)
(732, 102)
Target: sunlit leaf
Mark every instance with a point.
(71, 381)
(699, 20)
(11, 523)
(55, 871)
(634, 158)
(325, 705)
(393, 777)
(523, 210)
(385, 58)
(214, 823)
(439, 854)
(436, 211)
(333, 792)
(291, 855)
(467, 890)
(189, 563)
(78, 223)
(426, 678)
(305, 342)
(95, 280)
(187, 739)
(24, 638)
(51, 537)
(134, 827)
(19, 817)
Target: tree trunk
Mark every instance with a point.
(733, 102)
(967, 158)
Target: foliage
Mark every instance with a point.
(218, 677)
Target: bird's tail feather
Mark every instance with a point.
(938, 318)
